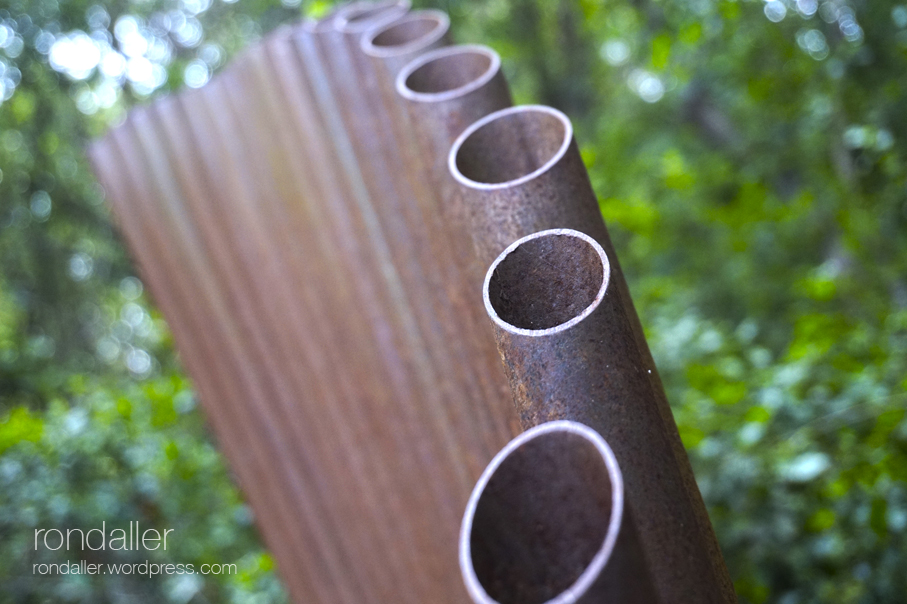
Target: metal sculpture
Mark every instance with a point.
(315, 224)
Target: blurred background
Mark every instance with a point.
(749, 158)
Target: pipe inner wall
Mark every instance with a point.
(510, 146)
(447, 71)
(544, 517)
(411, 32)
(547, 279)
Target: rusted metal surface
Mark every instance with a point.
(445, 91)
(449, 303)
(399, 215)
(400, 41)
(297, 262)
(570, 353)
(448, 89)
(297, 222)
(520, 171)
(223, 382)
(547, 523)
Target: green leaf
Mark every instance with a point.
(19, 425)
(661, 51)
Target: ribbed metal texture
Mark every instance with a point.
(285, 222)
(316, 223)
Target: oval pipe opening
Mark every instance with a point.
(543, 519)
(408, 34)
(448, 73)
(361, 16)
(510, 146)
(546, 282)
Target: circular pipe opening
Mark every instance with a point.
(510, 146)
(448, 73)
(361, 16)
(546, 282)
(543, 519)
(408, 34)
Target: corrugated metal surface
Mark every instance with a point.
(317, 235)
(286, 225)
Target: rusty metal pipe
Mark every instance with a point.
(444, 91)
(546, 522)
(520, 172)
(449, 305)
(398, 42)
(448, 89)
(359, 200)
(393, 213)
(460, 419)
(570, 353)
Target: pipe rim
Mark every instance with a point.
(348, 21)
(442, 26)
(410, 68)
(489, 186)
(536, 333)
(595, 567)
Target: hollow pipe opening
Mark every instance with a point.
(361, 16)
(448, 73)
(546, 282)
(543, 518)
(510, 146)
(407, 34)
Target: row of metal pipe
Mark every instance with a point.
(316, 224)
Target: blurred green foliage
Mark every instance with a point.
(97, 422)
(749, 157)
